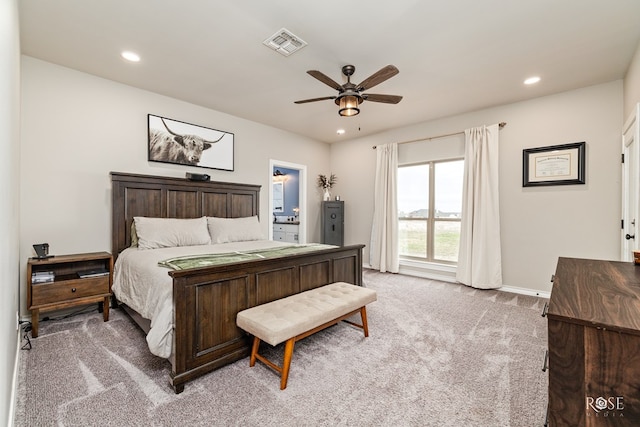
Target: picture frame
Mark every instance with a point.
(554, 165)
(181, 143)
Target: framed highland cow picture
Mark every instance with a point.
(180, 143)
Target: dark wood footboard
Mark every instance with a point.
(207, 300)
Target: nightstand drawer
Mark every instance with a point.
(46, 293)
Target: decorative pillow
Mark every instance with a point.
(156, 233)
(134, 235)
(225, 230)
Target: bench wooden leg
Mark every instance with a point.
(288, 353)
(363, 316)
(254, 351)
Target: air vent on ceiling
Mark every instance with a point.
(285, 42)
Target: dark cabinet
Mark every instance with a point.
(594, 344)
(333, 223)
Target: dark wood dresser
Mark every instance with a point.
(594, 344)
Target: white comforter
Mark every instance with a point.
(147, 288)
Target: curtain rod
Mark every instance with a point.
(500, 125)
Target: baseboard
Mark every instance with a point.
(525, 291)
(435, 272)
(14, 383)
(445, 274)
(430, 274)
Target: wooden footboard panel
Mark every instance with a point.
(207, 300)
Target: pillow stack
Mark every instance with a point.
(154, 233)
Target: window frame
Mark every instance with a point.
(431, 218)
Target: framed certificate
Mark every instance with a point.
(554, 165)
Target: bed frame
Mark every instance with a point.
(207, 300)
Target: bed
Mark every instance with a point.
(206, 300)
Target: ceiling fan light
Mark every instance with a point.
(349, 105)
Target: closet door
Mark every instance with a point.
(630, 186)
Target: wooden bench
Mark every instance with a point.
(295, 317)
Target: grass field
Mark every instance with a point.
(413, 240)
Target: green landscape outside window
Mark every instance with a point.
(430, 210)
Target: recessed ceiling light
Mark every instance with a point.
(130, 56)
(532, 80)
(340, 131)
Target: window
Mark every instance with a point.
(429, 210)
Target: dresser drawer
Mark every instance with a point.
(47, 293)
(288, 228)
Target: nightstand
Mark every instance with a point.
(68, 280)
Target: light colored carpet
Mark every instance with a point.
(438, 354)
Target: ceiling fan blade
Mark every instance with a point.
(325, 79)
(304, 101)
(378, 77)
(387, 99)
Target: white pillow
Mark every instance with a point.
(225, 230)
(154, 233)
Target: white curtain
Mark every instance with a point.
(480, 260)
(383, 250)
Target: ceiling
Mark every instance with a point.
(454, 57)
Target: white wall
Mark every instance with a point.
(76, 128)
(632, 85)
(9, 208)
(538, 224)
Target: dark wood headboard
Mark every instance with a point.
(163, 197)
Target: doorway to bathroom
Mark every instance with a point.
(288, 201)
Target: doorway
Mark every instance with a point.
(630, 186)
(288, 200)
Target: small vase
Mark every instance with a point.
(327, 195)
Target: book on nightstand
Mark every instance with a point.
(99, 272)
(42, 277)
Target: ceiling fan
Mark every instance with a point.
(350, 95)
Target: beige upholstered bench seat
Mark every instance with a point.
(298, 316)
